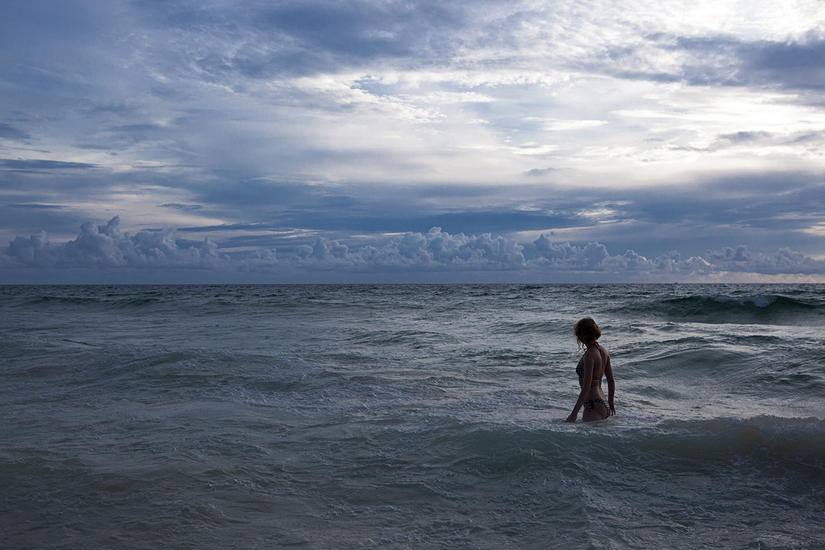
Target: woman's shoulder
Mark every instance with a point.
(599, 350)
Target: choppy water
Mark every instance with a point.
(409, 417)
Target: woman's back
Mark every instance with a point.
(593, 366)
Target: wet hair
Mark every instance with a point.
(586, 331)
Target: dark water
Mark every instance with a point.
(409, 417)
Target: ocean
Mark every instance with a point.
(409, 416)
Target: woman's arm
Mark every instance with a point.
(587, 366)
(611, 386)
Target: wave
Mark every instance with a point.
(753, 309)
(784, 446)
(765, 440)
(84, 297)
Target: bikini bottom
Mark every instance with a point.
(601, 402)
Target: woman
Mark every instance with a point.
(594, 364)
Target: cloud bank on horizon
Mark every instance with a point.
(388, 140)
(415, 256)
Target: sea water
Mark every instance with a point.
(409, 417)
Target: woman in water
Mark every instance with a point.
(594, 364)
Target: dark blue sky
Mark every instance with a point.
(157, 141)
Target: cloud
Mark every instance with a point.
(35, 206)
(538, 172)
(745, 137)
(435, 250)
(7, 131)
(260, 40)
(739, 259)
(715, 59)
(104, 247)
(595, 257)
(184, 207)
(41, 165)
(337, 125)
(790, 64)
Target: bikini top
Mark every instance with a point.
(580, 370)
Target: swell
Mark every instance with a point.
(84, 297)
(733, 308)
(763, 442)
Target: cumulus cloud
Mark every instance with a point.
(435, 250)
(104, 247)
(595, 257)
(785, 260)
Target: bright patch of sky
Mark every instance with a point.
(519, 140)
